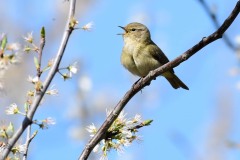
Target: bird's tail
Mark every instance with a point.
(175, 81)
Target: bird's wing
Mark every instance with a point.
(158, 54)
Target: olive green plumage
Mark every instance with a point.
(140, 54)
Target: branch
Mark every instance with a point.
(213, 16)
(152, 75)
(39, 73)
(28, 119)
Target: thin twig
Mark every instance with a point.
(28, 119)
(42, 44)
(29, 139)
(39, 73)
(152, 75)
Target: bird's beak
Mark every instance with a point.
(123, 29)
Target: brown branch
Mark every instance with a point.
(28, 119)
(213, 16)
(152, 75)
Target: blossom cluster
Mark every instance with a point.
(121, 134)
(9, 55)
(6, 132)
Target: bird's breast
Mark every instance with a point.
(127, 59)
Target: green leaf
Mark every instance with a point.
(43, 32)
(26, 107)
(147, 122)
(10, 127)
(10, 130)
(36, 62)
(4, 42)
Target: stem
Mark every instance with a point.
(28, 141)
(42, 44)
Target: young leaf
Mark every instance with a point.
(36, 62)
(4, 42)
(147, 122)
(43, 32)
(10, 130)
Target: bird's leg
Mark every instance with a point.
(137, 81)
(140, 79)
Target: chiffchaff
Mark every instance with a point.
(140, 54)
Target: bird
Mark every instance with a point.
(140, 54)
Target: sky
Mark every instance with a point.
(194, 124)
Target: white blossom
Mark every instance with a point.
(14, 46)
(121, 134)
(49, 121)
(46, 122)
(12, 109)
(125, 142)
(88, 26)
(29, 37)
(137, 118)
(22, 148)
(73, 69)
(52, 91)
(91, 129)
(126, 133)
(121, 117)
(33, 79)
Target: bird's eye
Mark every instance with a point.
(133, 29)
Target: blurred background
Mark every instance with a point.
(199, 124)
